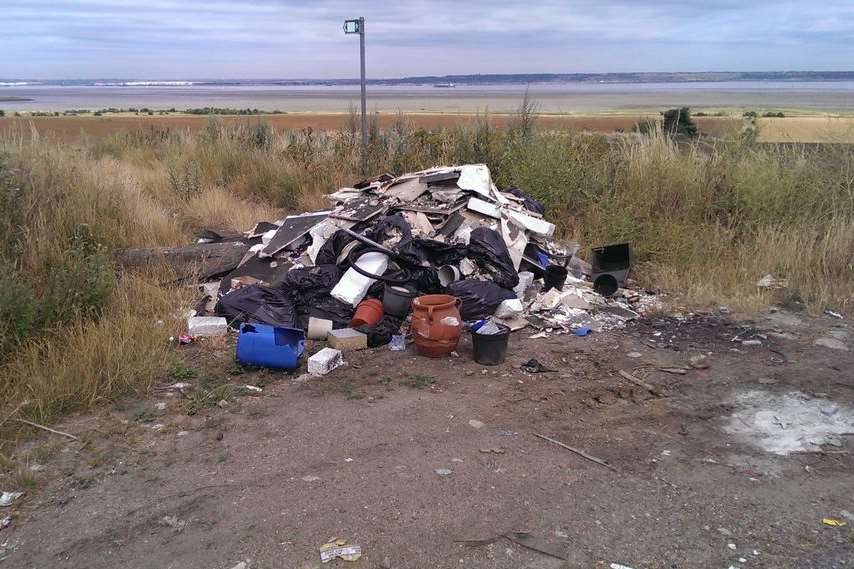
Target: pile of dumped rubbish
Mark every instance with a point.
(432, 252)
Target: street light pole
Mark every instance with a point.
(358, 27)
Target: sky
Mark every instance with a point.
(226, 39)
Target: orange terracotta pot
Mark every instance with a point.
(436, 324)
(368, 312)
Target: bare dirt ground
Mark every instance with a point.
(268, 477)
(72, 128)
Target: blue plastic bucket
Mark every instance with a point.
(269, 346)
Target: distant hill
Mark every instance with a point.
(476, 79)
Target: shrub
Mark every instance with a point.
(678, 122)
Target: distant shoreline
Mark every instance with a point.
(464, 79)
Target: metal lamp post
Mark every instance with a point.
(358, 27)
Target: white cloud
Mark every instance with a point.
(304, 38)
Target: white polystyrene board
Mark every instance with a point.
(353, 286)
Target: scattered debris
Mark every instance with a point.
(832, 343)
(771, 282)
(534, 366)
(398, 343)
(206, 326)
(443, 471)
(580, 453)
(5, 522)
(475, 424)
(325, 361)
(492, 450)
(833, 522)
(834, 314)
(674, 370)
(7, 498)
(523, 539)
(173, 522)
(641, 383)
(338, 549)
(618, 566)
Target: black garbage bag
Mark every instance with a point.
(306, 285)
(438, 253)
(329, 251)
(259, 304)
(425, 280)
(330, 308)
(388, 227)
(487, 249)
(479, 299)
(381, 334)
(312, 281)
(530, 203)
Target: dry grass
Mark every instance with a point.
(705, 219)
(219, 209)
(88, 362)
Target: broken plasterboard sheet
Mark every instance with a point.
(476, 178)
(344, 194)
(407, 191)
(446, 195)
(439, 176)
(261, 228)
(294, 227)
(421, 226)
(360, 209)
(516, 241)
(535, 225)
(484, 207)
(321, 233)
(451, 224)
(268, 270)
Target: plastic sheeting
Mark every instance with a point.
(479, 299)
(486, 248)
(257, 303)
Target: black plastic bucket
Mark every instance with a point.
(491, 349)
(397, 300)
(555, 277)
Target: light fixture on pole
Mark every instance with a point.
(358, 27)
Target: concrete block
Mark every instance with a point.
(318, 328)
(207, 326)
(347, 339)
(325, 361)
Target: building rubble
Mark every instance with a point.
(387, 240)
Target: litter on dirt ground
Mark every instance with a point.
(447, 230)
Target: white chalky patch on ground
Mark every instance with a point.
(788, 423)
